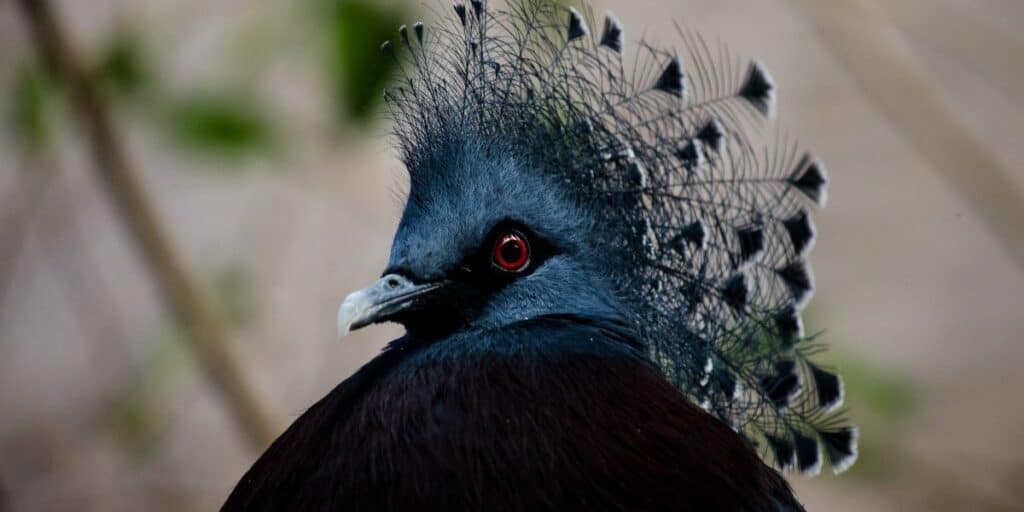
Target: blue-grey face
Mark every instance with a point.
(486, 241)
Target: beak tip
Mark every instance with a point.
(345, 316)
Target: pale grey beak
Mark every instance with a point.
(381, 301)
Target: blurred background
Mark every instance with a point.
(255, 131)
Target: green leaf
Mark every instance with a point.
(354, 30)
(220, 124)
(30, 106)
(121, 67)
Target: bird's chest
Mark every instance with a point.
(497, 411)
(575, 428)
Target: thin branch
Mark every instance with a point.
(181, 291)
(906, 93)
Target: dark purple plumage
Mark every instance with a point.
(552, 416)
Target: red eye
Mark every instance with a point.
(511, 252)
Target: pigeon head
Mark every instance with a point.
(488, 238)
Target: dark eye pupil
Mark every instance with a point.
(511, 250)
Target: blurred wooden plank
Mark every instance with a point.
(907, 94)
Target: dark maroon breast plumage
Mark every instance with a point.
(548, 417)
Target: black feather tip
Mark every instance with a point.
(790, 327)
(385, 48)
(404, 32)
(612, 34)
(799, 280)
(638, 175)
(478, 7)
(751, 240)
(695, 233)
(759, 89)
(829, 388)
(811, 178)
(690, 234)
(460, 9)
(577, 27)
(841, 447)
(726, 384)
(418, 28)
(673, 78)
(735, 291)
(808, 454)
(783, 451)
(801, 232)
(713, 135)
(691, 155)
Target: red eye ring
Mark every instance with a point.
(511, 252)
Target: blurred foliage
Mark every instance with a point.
(883, 393)
(121, 67)
(137, 418)
(354, 29)
(30, 108)
(233, 289)
(220, 123)
(880, 402)
(209, 121)
(259, 37)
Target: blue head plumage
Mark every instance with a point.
(468, 193)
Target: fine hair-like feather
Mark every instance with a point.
(704, 207)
